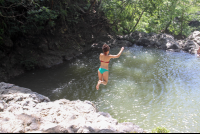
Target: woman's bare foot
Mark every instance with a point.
(97, 86)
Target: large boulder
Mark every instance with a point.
(161, 41)
(22, 110)
(164, 41)
(192, 42)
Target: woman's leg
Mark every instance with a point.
(105, 78)
(100, 79)
(104, 81)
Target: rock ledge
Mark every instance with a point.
(24, 111)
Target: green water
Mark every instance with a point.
(148, 87)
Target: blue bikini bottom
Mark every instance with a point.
(102, 70)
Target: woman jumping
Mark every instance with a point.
(103, 69)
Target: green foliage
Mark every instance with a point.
(22, 17)
(39, 18)
(148, 16)
(125, 16)
(160, 130)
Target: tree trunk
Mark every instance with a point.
(92, 4)
(181, 24)
(167, 26)
(139, 19)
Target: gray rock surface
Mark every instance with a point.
(24, 111)
(160, 41)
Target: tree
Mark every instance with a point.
(19, 17)
(170, 16)
(125, 15)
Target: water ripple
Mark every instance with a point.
(148, 87)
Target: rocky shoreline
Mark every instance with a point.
(24, 111)
(54, 54)
(165, 41)
(160, 41)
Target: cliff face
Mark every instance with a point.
(42, 52)
(72, 35)
(53, 50)
(22, 110)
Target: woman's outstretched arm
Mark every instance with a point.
(118, 55)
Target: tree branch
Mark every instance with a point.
(92, 4)
(13, 5)
(80, 9)
(139, 19)
(11, 16)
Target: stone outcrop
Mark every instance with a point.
(24, 111)
(51, 53)
(160, 41)
(192, 42)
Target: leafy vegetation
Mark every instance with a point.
(156, 16)
(21, 17)
(160, 130)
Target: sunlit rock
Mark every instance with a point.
(163, 41)
(24, 111)
(192, 43)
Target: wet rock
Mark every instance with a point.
(98, 45)
(129, 127)
(49, 60)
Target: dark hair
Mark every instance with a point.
(105, 48)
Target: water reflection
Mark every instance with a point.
(148, 87)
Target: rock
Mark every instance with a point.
(191, 44)
(129, 127)
(106, 131)
(162, 41)
(194, 35)
(98, 45)
(84, 130)
(49, 60)
(25, 111)
(1, 107)
(105, 114)
(57, 129)
(143, 42)
(43, 45)
(181, 43)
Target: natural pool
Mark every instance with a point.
(149, 87)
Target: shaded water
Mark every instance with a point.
(148, 87)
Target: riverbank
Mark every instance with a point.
(52, 51)
(24, 111)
